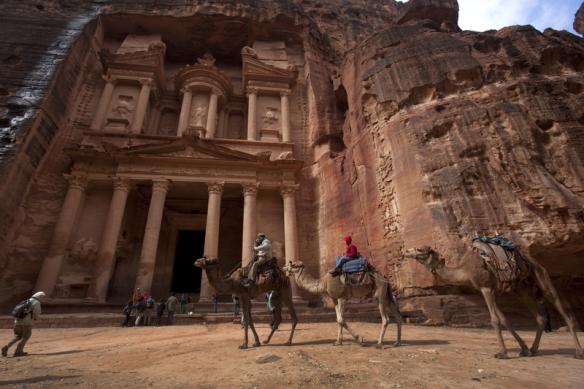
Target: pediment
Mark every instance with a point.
(255, 69)
(187, 148)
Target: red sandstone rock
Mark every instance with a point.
(410, 132)
(579, 20)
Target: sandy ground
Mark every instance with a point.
(206, 356)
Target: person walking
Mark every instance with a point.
(127, 311)
(150, 303)
(25, 313)
(183, 303)
(160, 312)
(171, 306)
(140, 310)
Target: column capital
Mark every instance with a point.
(121, 184)
(285, 92)
(252, 90)
(289, 190)
(146, 81)
(108, 78)
(185, 89)
(78, 181)
(160, 184)
(215, 187)
(250, 189)
(216, 92)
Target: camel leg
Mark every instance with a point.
(293, 317)
(357, 338)
(489, 297)
(394, 308)
(245, 315)
(526, 296)
(551, 294)
(277, 321)
(524, 349)
(252, 327)
(339, 321)
(384, 322)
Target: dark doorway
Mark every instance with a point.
(186, 278)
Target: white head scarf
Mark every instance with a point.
(38, 295)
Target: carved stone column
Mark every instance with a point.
(52, 263)
(211, 249)
(105, 261)
(140, 113)
(290, 229)
(185, 111)
(285, 107)
(151, 234)
(250, 192)
(104, 102)
(252, 94)
(212, 114)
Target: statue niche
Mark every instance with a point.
(122, 108)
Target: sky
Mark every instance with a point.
(482, 15)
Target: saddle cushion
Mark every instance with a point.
(358, 264)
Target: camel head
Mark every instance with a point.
(293, 267)
(426, 256)
(205, 262)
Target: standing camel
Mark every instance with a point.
(282, 296)
(333, 287)
(532, 279)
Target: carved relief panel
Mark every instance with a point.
(268, 118)
(121, 110)
(199, 108)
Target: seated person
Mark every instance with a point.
(350, 254)
(263, 250)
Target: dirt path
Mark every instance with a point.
(203, 356)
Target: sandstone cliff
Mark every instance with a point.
(414, 132)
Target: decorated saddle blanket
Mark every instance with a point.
(361, 278)
(505, 263)
(358, 264)
(498, 240)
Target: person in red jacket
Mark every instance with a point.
(350, 254)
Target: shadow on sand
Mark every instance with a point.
(33, 380)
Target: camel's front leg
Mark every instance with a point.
(383, 305)
(293, 317)
(245, 316)
(253, 330)
(277, 320)
(489, 296)
(357, 338)
(339, 323)
(528, 299)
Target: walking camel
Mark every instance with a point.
(279, 284)
(533, 279)
(333, 287)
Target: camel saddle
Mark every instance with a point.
(361, 278)
(268, 272)
(504, 262)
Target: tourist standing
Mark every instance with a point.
(215, 302)
(171, 306)
(149, 310)
(128, 308)
(25, 313)
(236, 305)
(160, 312)
(183, 303)
(140, 310)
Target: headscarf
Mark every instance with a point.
(38, 295)
(348, 239)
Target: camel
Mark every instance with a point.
(534, 279)
(332, 287)
(282, 296)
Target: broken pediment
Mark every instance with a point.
(255, 69)
(187, 147)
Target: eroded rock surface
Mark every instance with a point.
(411, 131)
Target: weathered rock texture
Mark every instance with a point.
(412, 132)
(579, 21)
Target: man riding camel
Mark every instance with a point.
(263, 253)
(350, 254)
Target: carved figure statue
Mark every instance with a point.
(198, 115)
(124, 107)
(472, 270)
(83, 251)
(206, 60)
(333, 287)
(282, 295)
(270, 116)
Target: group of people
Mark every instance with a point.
(143, 306)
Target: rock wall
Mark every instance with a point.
(412, 132)
(579, 20)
